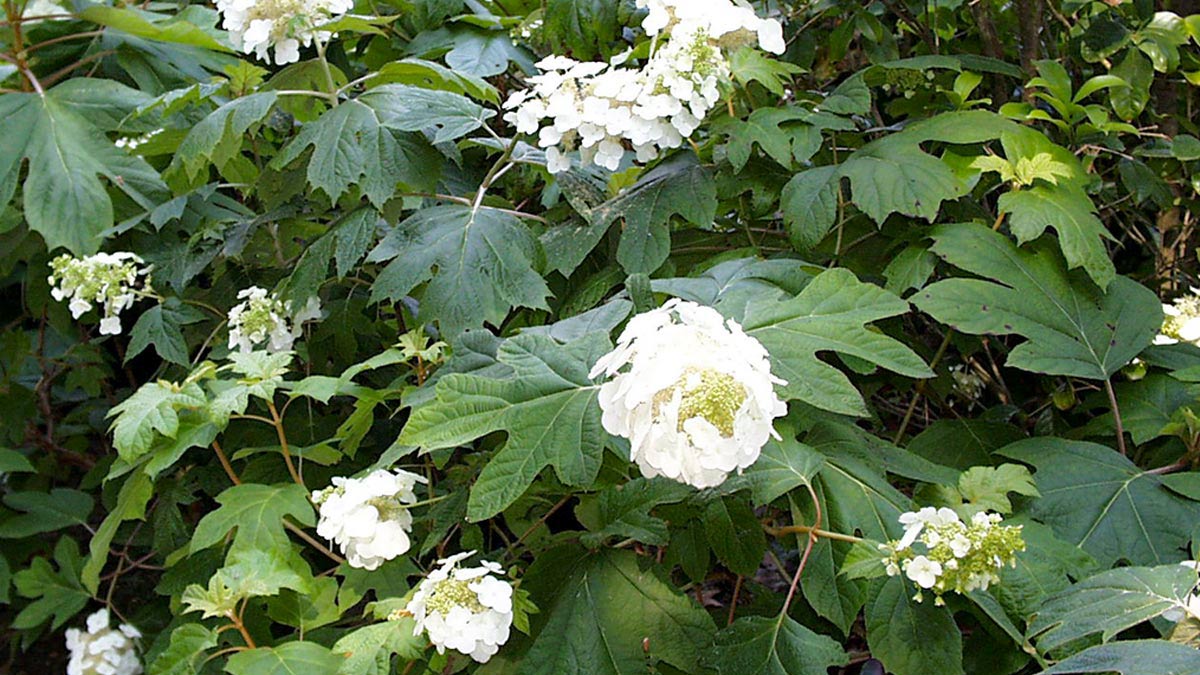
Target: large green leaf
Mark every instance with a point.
(152, 26)
(599, 609)
(353, 146)
(369, 650)
(584, 28)
(57, 595)
(783, 466)
(910, 637)
(1134, 657)
(151, 411)
(830, 314)
(162, 326)
(624, 510)
(293, 658)
(1110, 602)
(478, 264)
(256, 512)
(217, 139)
(187, 651)
(64, 199)
(1072, 328)
(1146, 406)
(547, 406)
(678, 186)
(1070, 212)
(135, 494)
(1094, 497)
(735, 534)
(757, 645)
(45, 511)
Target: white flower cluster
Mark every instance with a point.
(131, 143)
(103, 650)
(1182, 321)
(969, 385)
(109, 280)
(697, 400)
(257, 25)
(954, 556)
(464, 608)
(598, 108)
(262, 317)
(1192, 608)
(368, 517)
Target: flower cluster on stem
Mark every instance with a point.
(941, 553)
(466, 609)
(600, 108)
(262, 317)
(368, 517)
(255, 26)
(1181, 322)
(691, 391)
(110, 281)
(103, 650)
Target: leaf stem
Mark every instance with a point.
(814, 531)
(1116, 410)
(333, 89)
(233, 477)
(812, 540)
(912, 406)
(283, 443)
(299, 532)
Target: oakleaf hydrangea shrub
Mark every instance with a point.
(572, 337)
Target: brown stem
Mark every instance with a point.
(912, 405)
(283, 444)
(233, 477)
(812, 540)
(295, 529)
(66, 70)
(1116, 410)
(982, 11)
(737, 589)
(1029, 20)
(813, 531)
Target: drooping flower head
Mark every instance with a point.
(1182, 321)
(103, 650)
(691, 391)
(368, 517)
(108, 280)
(940, 552)
(262, 317)
(464, 608)
(599, 109)
(257, 25)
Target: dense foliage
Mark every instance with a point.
(363, 265)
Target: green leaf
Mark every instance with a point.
(1072, 214)
(962, 444)
(187, 651)
(750, 65)
(783, 466)
(162, 326)
(57, 594)
(809, 202)
(731, 285)
(430, 75)
(1072, 328)
(599, 610)
(64, 199)
(1094, 497)
(786, 135)
(444, 115)
(547, 406)
(345, 243)
(851, 97)
(1146, 406)
(256, 512)
(217, 139)
(293, 658)
(152, 410)
(735, 535)
(1110, 602)
(12, 461)
(679, 186)
(830, 314)
(135, 494)
(45, 512)
(583, 28)
(910, 637)
(1046, 566)
(986, 487)
(478, 264)
(756, 645)
(1133, 657)
(152, 27)
(5, 580)
(352, 146)
(624, 510)
(909, 269)
(369, 649)
(1129, 101)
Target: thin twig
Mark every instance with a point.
(1116, 410)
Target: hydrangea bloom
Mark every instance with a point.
(940, 552)
(109, 280)
(103, 650)
(1182, 321)
(599, 109)
(464, 609)
(368, 517)
(256, 25)
(262, 317)
(697, 400)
